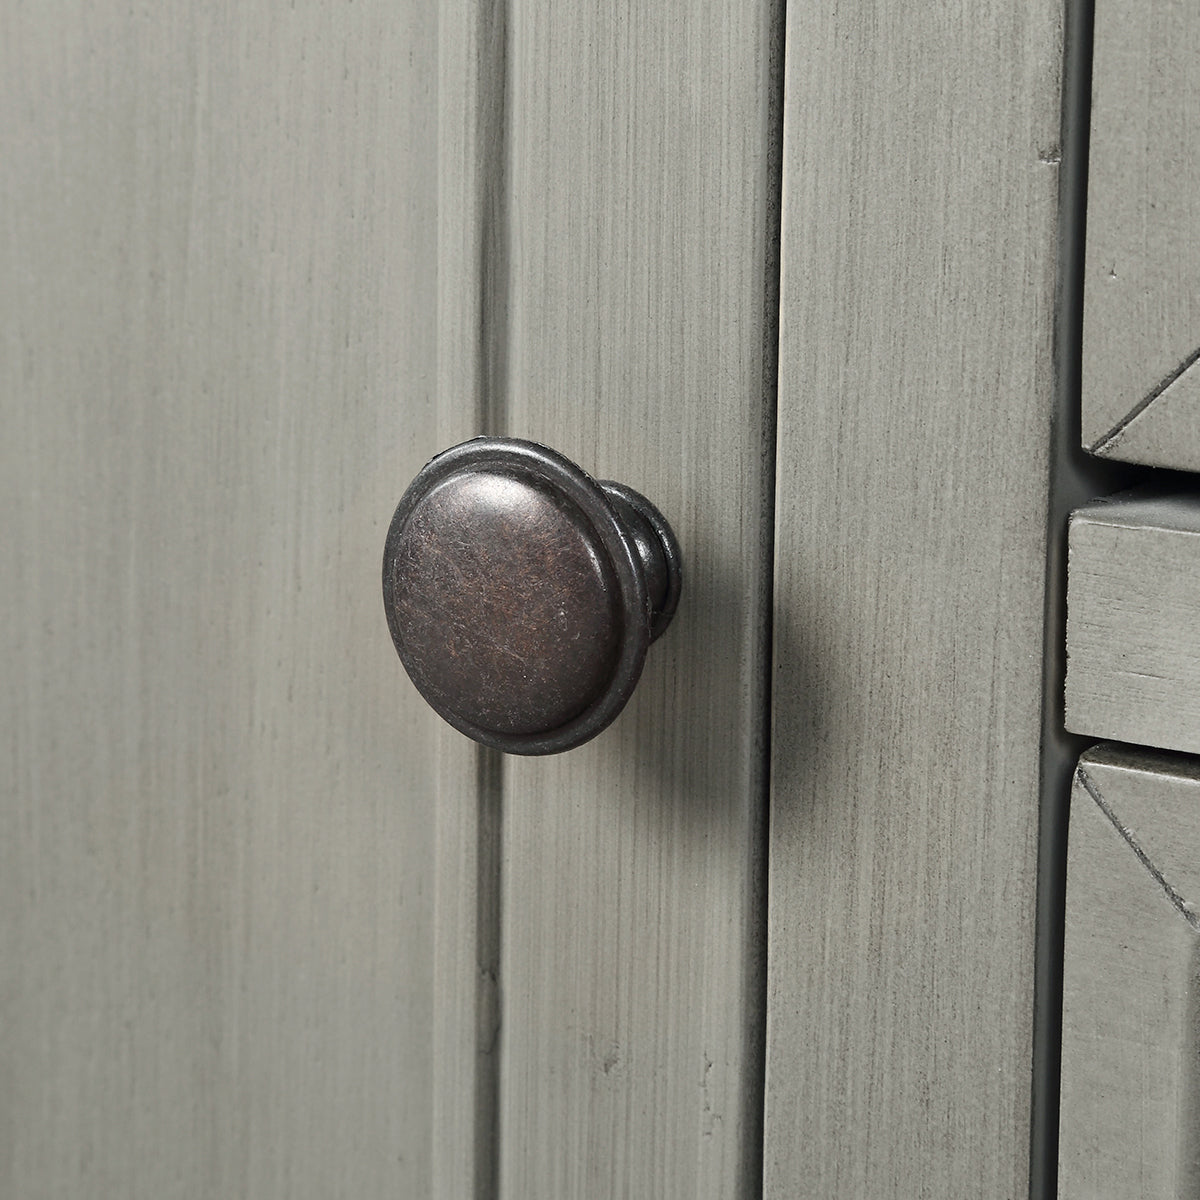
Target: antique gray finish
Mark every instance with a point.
(1130, 1075)
(259, 263)
(915, 404)
(258, 267)
(1133, 619)
(640, 341)
(217, 356)
(1141, 381)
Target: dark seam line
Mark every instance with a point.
(489, 779)
(1176, 899)
(492, 128)
(491, 210)
(1074, 477)
(758, 982)
(1140, 407)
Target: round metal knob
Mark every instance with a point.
(522, 595)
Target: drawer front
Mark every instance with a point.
(1133, 620)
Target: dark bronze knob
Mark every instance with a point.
(522, 594)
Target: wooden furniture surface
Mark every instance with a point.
(1129, 1057)
(1129, 1062)
(1133, 619)
(217, 368)
(274, 930)
(640, 342)
(915, 404)
(1141, 332)
(269, 263)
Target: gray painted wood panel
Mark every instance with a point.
(915, 399)
(641, 341)
(1141, 329)
(1133, 620)
(1129, 1061)
(217, 371)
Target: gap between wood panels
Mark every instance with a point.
(492, 126)
(1075, 477)
(756, 1090)
(489, 766)
(471, 399)
(494, 249)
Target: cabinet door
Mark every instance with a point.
(278, 933)
(274, 932)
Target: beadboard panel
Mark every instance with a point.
(217, 372)
(641, 188)
(921, 172)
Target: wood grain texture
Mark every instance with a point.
(641, 335)
(1130, 1082)
(1141, 323)
(915, 401)
(1133, 620)
(217, 263)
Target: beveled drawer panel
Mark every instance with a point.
(1129, 1070)
(1141, 321)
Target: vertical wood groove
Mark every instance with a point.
(489, 830)
(755, 1092)
(494, 240)
(472, 341)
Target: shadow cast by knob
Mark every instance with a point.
(694, 738)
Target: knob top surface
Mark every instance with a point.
(514, 597)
